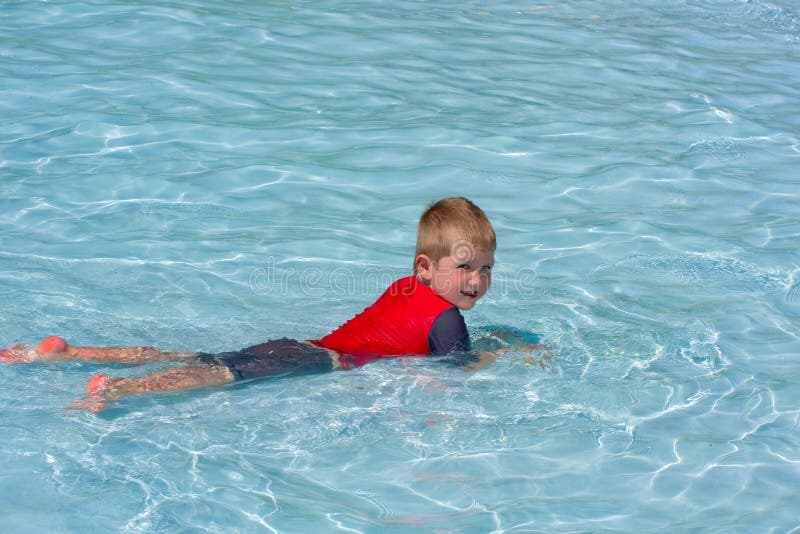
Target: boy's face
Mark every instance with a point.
(461, 278)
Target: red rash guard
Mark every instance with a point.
(399, 322)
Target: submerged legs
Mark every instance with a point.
(102, 389)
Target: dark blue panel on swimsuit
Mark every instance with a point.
(279, 357)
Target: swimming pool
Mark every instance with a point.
(207, 175)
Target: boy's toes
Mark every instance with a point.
(16, 354)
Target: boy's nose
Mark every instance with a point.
(476, 277)
(480, 277)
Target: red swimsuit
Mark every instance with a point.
(399, 322)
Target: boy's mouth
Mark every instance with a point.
(470, 294)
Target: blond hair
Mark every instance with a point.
(450, 224)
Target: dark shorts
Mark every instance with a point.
(280, 357)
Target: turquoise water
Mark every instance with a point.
(207, 175)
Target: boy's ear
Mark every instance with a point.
(423, 265)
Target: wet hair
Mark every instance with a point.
(453, 226)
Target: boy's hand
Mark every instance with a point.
(526, 348)
(530, 360)
(484, 358)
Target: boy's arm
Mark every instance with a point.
(498, 341)
(495, 337)
(449, 336)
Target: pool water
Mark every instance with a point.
(207, 175)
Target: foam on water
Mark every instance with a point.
(207, 175)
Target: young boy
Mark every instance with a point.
(419, 314)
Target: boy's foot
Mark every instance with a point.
(97, 386)
(17, 354)
(50, 348)
(100, 391)
(52, 345)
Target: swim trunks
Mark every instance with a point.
(279, 357)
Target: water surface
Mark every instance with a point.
(207, 175)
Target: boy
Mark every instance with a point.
(419, 314)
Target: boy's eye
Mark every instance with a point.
(487, 267)
(463, 266)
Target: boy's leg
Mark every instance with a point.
(54, 348)
(101, 389)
